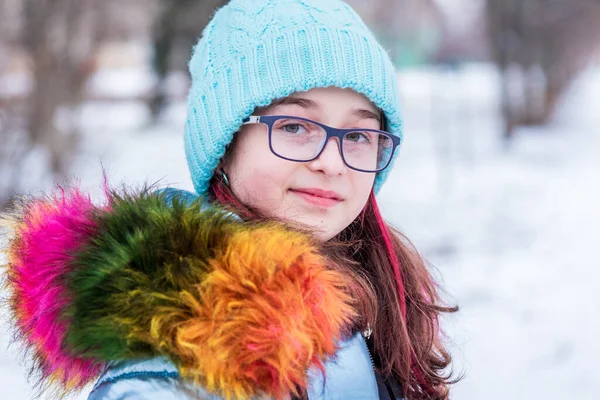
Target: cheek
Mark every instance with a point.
(259, 178)
(259, 187)
(362, 184)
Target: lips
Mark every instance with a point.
(320, 193)
(318, 197)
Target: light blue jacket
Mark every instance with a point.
(349, 377)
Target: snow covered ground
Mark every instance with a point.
(511, 231)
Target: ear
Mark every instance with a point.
(225, 162)
(223, 167)
(222, 171)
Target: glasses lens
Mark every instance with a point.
(367, 150)
(297, 139)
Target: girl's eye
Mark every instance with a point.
(357, 137)
(292, 128)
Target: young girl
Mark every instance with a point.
(278, 278)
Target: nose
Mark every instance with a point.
(330, 160)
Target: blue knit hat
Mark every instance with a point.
(255, 51)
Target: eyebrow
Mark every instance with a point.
(310, 104)
(299, 101)
(366, 114)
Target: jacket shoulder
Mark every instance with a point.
(172, 193)
(145, 379)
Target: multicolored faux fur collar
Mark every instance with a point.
(242, 309)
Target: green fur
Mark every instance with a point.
(149, 251)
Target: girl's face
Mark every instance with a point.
(323, 194)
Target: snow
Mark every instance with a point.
(511, 231)
(121, 83)
(15, 84)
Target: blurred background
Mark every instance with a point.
(496, 183)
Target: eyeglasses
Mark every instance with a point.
(302, 140)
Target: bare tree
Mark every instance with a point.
(540, 46)
(178, 25)
(59, 37)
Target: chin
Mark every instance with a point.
(323, 234)
(321, 228)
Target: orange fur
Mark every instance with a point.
(267, 311)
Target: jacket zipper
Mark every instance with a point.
(366, 335)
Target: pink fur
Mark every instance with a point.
(50, 233)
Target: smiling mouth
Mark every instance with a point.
(316, 199)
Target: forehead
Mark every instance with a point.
(337, 96)
(326, 98)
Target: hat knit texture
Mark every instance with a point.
(255, 51)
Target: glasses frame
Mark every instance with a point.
(331, 132)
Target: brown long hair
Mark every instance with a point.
(402, 310)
